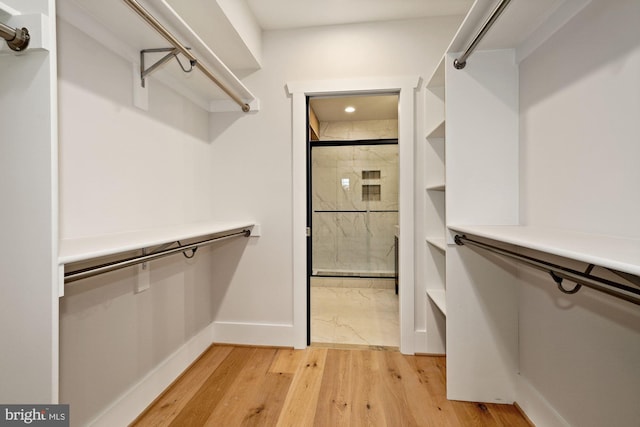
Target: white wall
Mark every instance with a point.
(125, 169)
(122, 168)
(580, 105)
(255, 153)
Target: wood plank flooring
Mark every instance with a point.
(258, 386)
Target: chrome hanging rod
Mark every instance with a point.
(85, 273)
(17, 38)
(558, 273)
(460, 62)
(144, 14)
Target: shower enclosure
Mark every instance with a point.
(354, 200)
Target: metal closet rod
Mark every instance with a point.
(85, 273)
(460, 62)
(17, 38)
(558, 273)
(133, 4)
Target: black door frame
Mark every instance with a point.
(309, 145)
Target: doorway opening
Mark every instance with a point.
(352, 215)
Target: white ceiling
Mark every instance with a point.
(368, 107)
(284, 14)
(287, 14)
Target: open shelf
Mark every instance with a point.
(618, 253)
(438, 296)
(436, 187)
(121, 30)
(438, 242)
(438, 131)
(86, 248)
(437, 77)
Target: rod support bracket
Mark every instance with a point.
(171, 52)
(458, 239)
(459, 65)
(20, 40)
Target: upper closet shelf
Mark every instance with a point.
(523, 26)
(617, 253)
(119, 27)
(87, 248)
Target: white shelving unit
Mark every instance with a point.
(435, 215)
(29, 165)
(480, 162)
(121, 30)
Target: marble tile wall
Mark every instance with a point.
(358, 129)
(351, 234)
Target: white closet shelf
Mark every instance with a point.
(121, 30)
(617, 253)
(436, 187)
(438, 131)
(438, 242)
(86, 248)
(439, 298)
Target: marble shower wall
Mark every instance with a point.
(358, 129)
(351, 234)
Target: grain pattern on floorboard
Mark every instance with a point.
(256, 386)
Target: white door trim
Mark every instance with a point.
(405, 86)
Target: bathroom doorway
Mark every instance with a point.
(353, 185)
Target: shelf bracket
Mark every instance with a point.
(172, 52)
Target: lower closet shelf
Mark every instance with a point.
(159, 242)
(438, 296)
(617, 253)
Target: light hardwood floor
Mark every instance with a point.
(318, 386)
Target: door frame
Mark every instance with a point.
(405, 87)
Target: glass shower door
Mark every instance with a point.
(354, 209)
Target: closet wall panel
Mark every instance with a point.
(579, 109)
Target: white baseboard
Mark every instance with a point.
(536, 407)
(132, 402)
(278, 335)
(137, 398)
(420, 341)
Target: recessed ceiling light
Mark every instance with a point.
(350, 109)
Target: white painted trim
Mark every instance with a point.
(137, 398)
(420, 341)
(253, 334)
(405, 86)
(535, 406)
(57, 280)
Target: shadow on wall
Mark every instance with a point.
(109, 77)
(225, 261)
(589, 47)
(615, 310)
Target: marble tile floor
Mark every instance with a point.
(354, 316)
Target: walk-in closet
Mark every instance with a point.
(154, 171)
